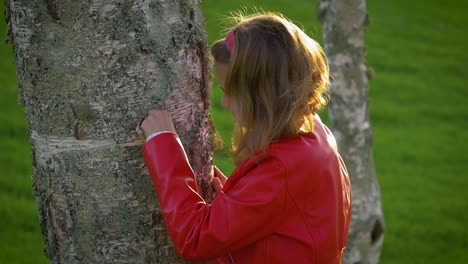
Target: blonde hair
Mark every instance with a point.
(277, 79)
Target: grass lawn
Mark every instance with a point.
(419, 113)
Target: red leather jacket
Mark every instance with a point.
(291, 204)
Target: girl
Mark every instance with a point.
(288, 200)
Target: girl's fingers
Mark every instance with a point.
(220, 175)
(138, 128)
(217, 185)
(156, 121)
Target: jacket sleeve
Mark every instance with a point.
(250, 210)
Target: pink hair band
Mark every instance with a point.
(230, 40)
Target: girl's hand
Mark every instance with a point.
(219, 179)
(157, 121)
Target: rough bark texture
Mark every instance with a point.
(344, 23)
(88, 71)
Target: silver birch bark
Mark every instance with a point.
(88, 71)
(344, 23)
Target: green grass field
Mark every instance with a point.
(419, 113)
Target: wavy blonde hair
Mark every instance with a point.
(277, 79)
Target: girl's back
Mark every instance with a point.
(313, 225)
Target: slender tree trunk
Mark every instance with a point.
(344, 23)
(88, 71)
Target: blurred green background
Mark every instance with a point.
(418, 107)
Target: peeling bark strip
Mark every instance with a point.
(85, 83)
(344, 23)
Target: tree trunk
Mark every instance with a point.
(88, 71)
(344, 23)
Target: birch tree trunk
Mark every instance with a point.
(344, 23)
(88, 71)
